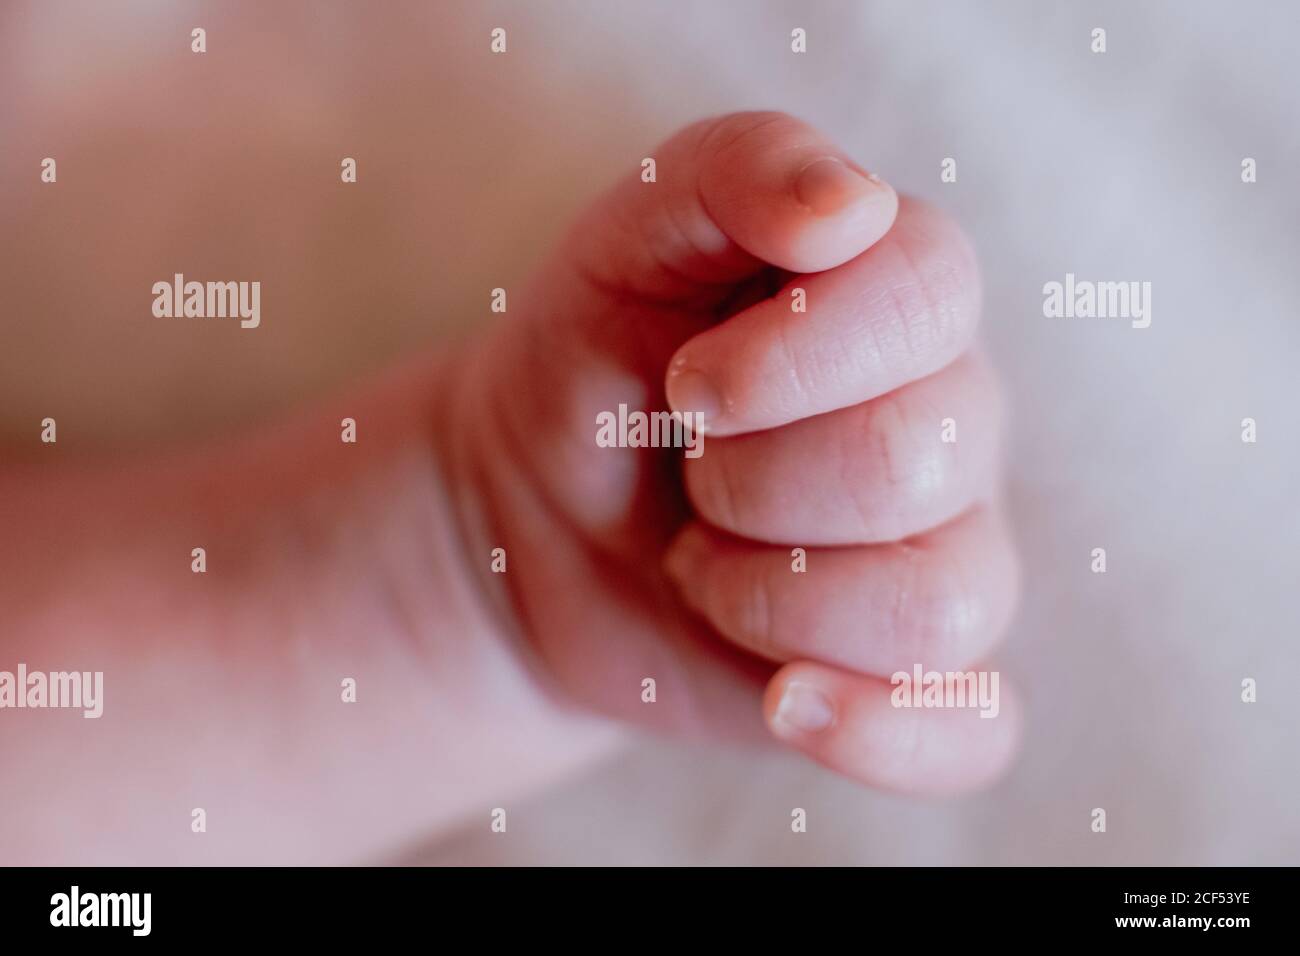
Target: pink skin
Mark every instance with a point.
(372, 561)
(882, 320)
(881, 473)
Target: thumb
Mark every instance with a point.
(729, 196)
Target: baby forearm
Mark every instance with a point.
(320, 680)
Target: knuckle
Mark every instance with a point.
(874, 442)
(911, 475)
(898, 618)
(933, 307)
(959, 616)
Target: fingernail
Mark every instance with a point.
(828, 185)
(691, 391)
(804, 709)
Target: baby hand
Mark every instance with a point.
(839, 525)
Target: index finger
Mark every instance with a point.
(900, 311)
